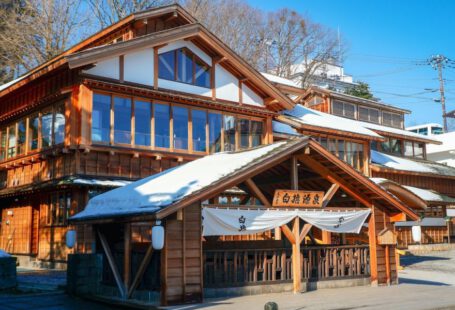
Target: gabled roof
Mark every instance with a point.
(60, 60)
(162, 194)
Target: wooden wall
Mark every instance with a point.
(16, 229)
(181, 260)
(430, 235)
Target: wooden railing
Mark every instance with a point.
(230, 268)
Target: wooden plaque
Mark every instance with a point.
(297, 199)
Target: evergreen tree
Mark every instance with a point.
(361, 90)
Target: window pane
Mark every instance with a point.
(122, 120)
(387, 119)
(21, 137)
(166, 67)
(256, 133)
(341, 154)
(337, 108)
(363, 114)
(162, 118)
(244, 133)
(349, 110)
(395, 146)
(199, 119)
(101, 118)
(215, 132)
(3, 140)
(202, 75)
(33, 127)
(12, 141)
(385, 146)
(418, 150)
(180, 121)
(374, 116)
(185, 66)
(61, 209)
(142, 116)
(46, 128)
(396, 120)
(59, 124)
(229, 133)
(408, 148)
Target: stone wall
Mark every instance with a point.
(7, 272)
(84, 274)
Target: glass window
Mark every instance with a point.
(386, 119)
(374, 115)
(244, 125)
(363, 114)
(418, 149)
(142, 127)
(166, 67)
(256, 133)
(338, 108)
(59, 124)
(180, 121)
(349, 110)
(11, 141)
(396, 120)
(374, 145)
(395, 146)
(343, 109)
(215, 132)
(3, 140)
(101, 118)
(341, 151)
(21, 136)
(185, 66)
(408, 148)
(229, 133)
(33, 128)
(423, 131)
(202, 74)
(122, 120)
(46, 128)
(436, 130)
(162, 118)
(199, 120)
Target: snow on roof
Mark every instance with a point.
(153, 193)
(279, 79)
(451, 212)
(412, 165)
(109, 183)
(448, 143)
(6, 85)
(425, 222)
(279, 127)
(311, 117)
(4, 254)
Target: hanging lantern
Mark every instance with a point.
(158, 237)
(417, 233)
(70, 238)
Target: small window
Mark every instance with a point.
(142, 118)
(257, 132)
(122, 120)
(33, 129)
(393, 120)
(11, 141)
(344, 109)
(408, 148)
(166, 66)
(3, 141)
(59, 124)
(101, 118)
(229, 133)
(21, 137)
(418, 149)
(46, 127)
(180, 122)
(199, 121)
(244, 126)
(215, 123)
(363, 114)
(162, 118)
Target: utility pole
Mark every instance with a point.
(438, 62)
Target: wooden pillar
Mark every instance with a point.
(296, 271)
(326, 237)
(127, 257)
(373, 248)
(387, 264)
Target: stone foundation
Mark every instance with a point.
(8, 277)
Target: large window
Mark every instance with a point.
(184, 66)
(215, 123)
(122, 120)
(180, 128)
(162, 118)
(199, 121)
(348, 151)
(101, 118)
(142, 119)
(229, 133)
(344, 109)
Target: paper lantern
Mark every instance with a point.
(70, 238)
(416, 233)
(157, 237)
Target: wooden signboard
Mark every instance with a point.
(297, 199)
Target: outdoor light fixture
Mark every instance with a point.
(71, 238)
(158, 236)
(417, 233)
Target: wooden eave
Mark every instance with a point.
(311, 129)
(191, 32)
(174, 96)
(378, 168)
(405, 195)
(60, 59)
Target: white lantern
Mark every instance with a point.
(416, 233)
(157, 237)
(70, 238)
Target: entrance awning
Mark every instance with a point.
(231, 221)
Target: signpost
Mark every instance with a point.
(297, 199)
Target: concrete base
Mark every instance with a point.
(282, 287)
(31, 262)
(428, 248)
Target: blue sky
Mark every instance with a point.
(385, 39)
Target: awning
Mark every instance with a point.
(231, 221)
(425, 222)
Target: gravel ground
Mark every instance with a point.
(441, 261)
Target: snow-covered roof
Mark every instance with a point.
(279, 79)
(153, 193)
(448, 143)
(412, 165)
(6, 85)
(451, 212)
(425, 222)
(281, 128)
(315, 118)
(97, 182)
(4, 254)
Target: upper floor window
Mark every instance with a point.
(58, 208)
(392, 119)
(414, 149)
(368, 114)
(101, 118)
(184, 66)
(344, 109)
(348, 151)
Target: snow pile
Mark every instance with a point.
(3, 254)
(279, 127)
(429, 195)
(109, 183)
(279, 80)
(311, 117)
(155, 192)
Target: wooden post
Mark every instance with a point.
(326, 237)
(127, 256)
(296, 271)
(387, 264)
(294, 174)
(373, 248)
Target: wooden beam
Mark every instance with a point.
(288, 233)
(294, 174)
(329, 194)
(387, 264)
(257, 192)
(296, 270)
(127, 256)
(111, 261)
(305, 230)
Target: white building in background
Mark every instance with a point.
(327, 75)
(444, 153)
(430, 129)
